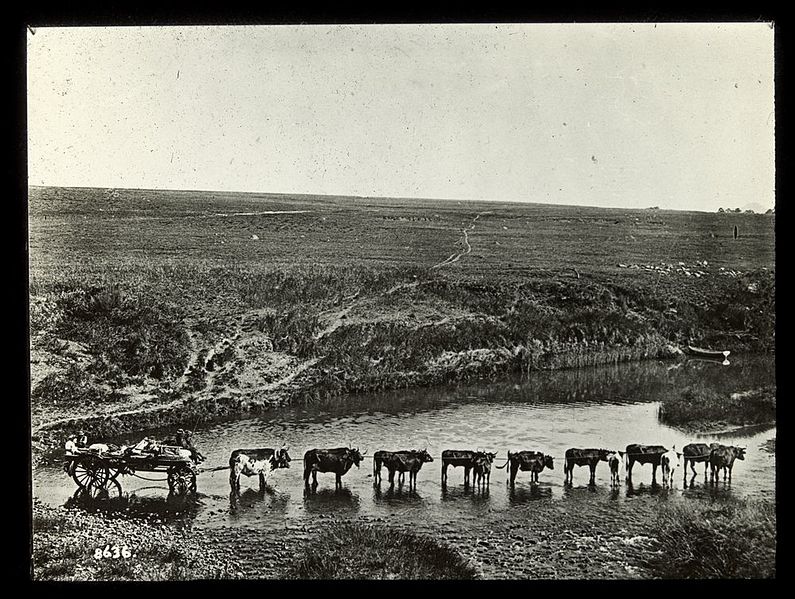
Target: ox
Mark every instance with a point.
(669, 462)
(614, 461)
(379, 457)
(250, 462)
(410, 461)
(527, 461)
(338, 460)
(465, 458)
(482, 469)
(644, 454)
(722, 457)
(583, 457)
(696, 453)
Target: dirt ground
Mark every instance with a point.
(597, 542)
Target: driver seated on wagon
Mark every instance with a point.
(71, 444)
(183, 439)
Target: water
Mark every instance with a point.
(607, 407)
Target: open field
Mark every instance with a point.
(147, 306)
(69, 226)
(152, 308)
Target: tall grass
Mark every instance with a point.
(132, 319)
(733, 539)
(696, 404)
(368, 552)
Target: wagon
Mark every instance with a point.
(97, 473)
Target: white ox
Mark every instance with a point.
(615, 461)
(255, 462)
(669, 462)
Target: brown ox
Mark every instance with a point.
(410, 461)
(466, 458)
(482, 469)
(696, 453)
(338, 460)
(583, 457)
(644, 454)
(527, 461)
(722, 458)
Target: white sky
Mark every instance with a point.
(627, 115)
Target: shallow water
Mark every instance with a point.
(607, 407)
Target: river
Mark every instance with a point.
(603, 407)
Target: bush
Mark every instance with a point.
(127, 334)
(71, 387)
(366, 552)
(696, 404)
(735, 539)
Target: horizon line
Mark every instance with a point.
(377, 197)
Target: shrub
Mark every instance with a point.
(71, 387)
(734, 539)
(357, 551)
(133, 334)
(697, 404)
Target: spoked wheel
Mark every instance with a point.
(89, 471)
(181, 480)
(110, 490)
(95, 480)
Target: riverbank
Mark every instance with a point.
(70, 544)
(706, 410)
(117, 352)
(599, 541)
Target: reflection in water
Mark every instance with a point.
(642, 489)
(569, 490)
(518, 494)
(472, 495)
(399, 494)
(617, 383)
(269, 499)
(330, 500)
(171, 507)
(708, 491)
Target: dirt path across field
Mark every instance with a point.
(465, 231)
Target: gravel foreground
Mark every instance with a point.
(598, 542)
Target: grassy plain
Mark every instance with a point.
(148, 306)
(153, 308)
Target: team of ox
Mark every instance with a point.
(261, 462)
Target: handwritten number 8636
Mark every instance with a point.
(114, 552)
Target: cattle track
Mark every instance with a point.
(465, 232)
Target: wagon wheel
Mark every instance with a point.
(111, 489)
(90, 472)
(181, 480)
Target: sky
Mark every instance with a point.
(674, 115)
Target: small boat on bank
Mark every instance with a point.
(707, 353)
